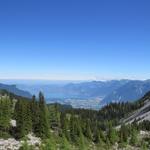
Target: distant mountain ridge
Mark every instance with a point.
(15, 90)
(83, 90)
(131, 91)
(93, 89)
(103, 91)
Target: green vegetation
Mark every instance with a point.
(5, 115)
(69, 128)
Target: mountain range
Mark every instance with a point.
(82, 90)
(15, 90)
(85, 94)
(130, 91)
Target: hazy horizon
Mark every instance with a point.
(47, 82)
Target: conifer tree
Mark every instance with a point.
(102, 136)
(88, 132)
(73, 129)
(5, 115)
(65, 126)
(65, 144)
(123, 134)
(23, 118)
(35, 114)
(81, 141)
(49, 144)
(108, 144)
(112, 135)
(133, 139)
(99, 139)
(54, 118)
(43, 118)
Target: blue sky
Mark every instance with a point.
(75, 39)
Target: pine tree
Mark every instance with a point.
(99, 139)
(5, 115)
(43, 118)
(133, 139)
(65, 144)
(36, 118)
(23, 118)
(73, 129)
(34, 113)
(19, 119)
(28, 118)
(112, 135)
(49, 144)
(65, 126)
(81, 141)
(102, 136)
(54, 117)
(88, 132)
(123, 134)
(107, 145)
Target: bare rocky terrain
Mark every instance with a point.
(12, 144)
(141, 114)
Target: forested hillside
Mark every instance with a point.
(62, 127)
(15, 90)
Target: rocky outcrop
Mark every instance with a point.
(9, 144)
(139, 115)
(12, 144)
